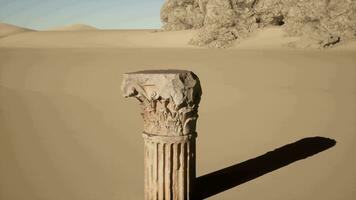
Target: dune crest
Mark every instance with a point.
(9, 29)
(74, 27)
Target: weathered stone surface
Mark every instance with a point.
(320, 23)
(181, 14)
(169, 101)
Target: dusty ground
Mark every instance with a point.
(66, 133)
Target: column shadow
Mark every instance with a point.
(229, 177)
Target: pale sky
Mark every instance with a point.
(105, 14)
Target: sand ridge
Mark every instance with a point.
(8, 29)
(74, 27)
(101, 39)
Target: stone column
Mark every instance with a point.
(169, 101)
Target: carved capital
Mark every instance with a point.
(169, 100)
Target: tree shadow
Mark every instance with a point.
(229, 177)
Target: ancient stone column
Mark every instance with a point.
(169, 101)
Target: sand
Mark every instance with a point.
(74, 27)
(8, 29)
(100, 39)
(66, 132)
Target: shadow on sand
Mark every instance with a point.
(229, 177)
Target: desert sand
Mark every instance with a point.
(66, 132)
(8, 29)
(74, 27)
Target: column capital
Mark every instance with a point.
(169, 100)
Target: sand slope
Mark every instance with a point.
(66, 132)
(8, 29)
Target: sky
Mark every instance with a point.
(104, 14)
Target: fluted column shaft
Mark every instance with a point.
(169, 167)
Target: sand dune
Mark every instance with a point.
(101, 38)
(74, 27)
(66, 132)
(8, 29)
